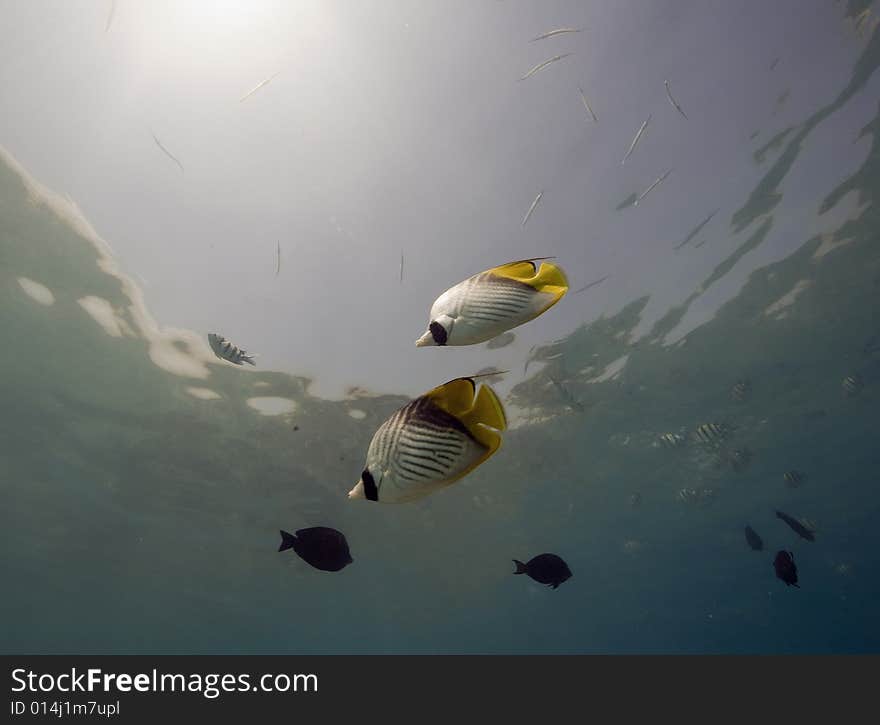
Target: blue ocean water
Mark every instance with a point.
(145, 481)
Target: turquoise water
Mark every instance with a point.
(145, 482)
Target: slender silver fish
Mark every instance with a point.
(592, 284)
(587, 105)
(673, 101)
(544, 64)
(696, 230)
(532, 207)
(110, 16)
(401, 266)
(553, 33)
(648, 190)
(167, 152)
(638, 136)
(257, 87)
(278, 258)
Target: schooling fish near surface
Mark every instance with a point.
(167, 152)
(673, 101)
(587, 105)
(493, 302)
(532, 208)
(544, 65)
(554, 33)
(432, 442)
(635, 140)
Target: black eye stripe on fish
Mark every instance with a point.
(438, 332)
(371, 492)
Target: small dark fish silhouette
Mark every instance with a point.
(322, 547)
(546, 569)
(796, 526)
(753, 539)
(785, 568)
(635, 500)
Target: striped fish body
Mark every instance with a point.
(431, 443)
(710, 434)
(225, 350)
(671, 440)
(793, 479)
(493, 302)
(852, 384)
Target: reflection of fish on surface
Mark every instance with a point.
(226, 350)
(495, 301)
(432, 442)
(320, 546)
(548, 569)
(546, 358)
(503, 340)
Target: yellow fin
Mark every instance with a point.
(479, 415)
(547, 278)
(455, 397)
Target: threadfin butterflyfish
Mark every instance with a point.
(493, 302)
(432, 442)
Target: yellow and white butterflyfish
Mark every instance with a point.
(432, 442)
(494, 301)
